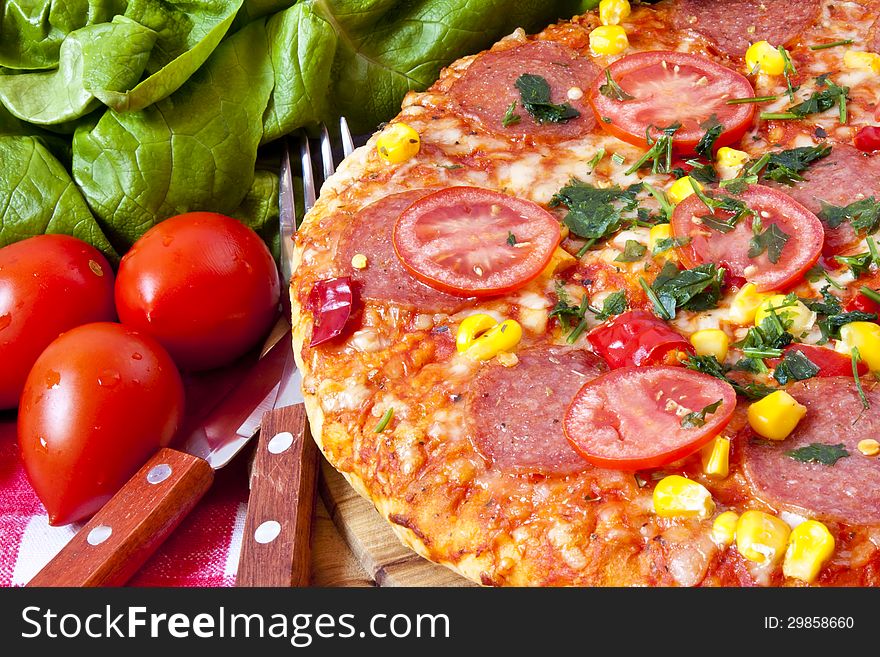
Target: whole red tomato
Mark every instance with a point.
(204, 285)
(48, 284)
(99, 401)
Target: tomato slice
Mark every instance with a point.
(636, 338)
(731, 249)
(673, 87)
(829, 362)
(631, 418)
(475, 242)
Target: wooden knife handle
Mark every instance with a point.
(276, 548)
(132, 525)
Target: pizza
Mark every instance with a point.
(600, 306)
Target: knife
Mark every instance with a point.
(120, 538)
(276, 546)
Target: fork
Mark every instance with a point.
(277, 531)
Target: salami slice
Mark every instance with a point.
(515, 413)
(846, 491)
(488, 88)
(733, 25)
(384, 278)
(845, 175)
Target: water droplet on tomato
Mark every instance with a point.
(44, 444)
(5, 320)
(53, 378)
(136, 356)
(108, 378)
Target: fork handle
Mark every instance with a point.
(276, 547)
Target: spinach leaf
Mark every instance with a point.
(127, 164)
(713, 128)
(535, 92)
(37, 196)
(821, 453)
(614, 304)
(710, 365)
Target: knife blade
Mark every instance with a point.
(276, 541)
(117, 541)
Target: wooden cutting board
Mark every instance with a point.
(374, 545)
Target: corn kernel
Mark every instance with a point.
(724, 529)
(745, 304)
(869, 447)
(559, 261)
(730, 157)
(658, 232)
(678, 497)
(809, 547)
(480, 337)
(766, 58)
(801, 317)
(716, 458)
(682, 188)
(865, 336)
(611, 12)
(760, 537)
(398, 143)
(359, 261)
(862, 61)
(608, 40)
(711, 342)
(776, 416)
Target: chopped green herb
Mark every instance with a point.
(858, 264)
(667, 243)
(594, 162)
(772, 240)
(819, 453)
(535, 93)
(786, 166)
(756, 99)
(739, 184)
(713, 128)
(690, 289)
(830, 326)
(614, 304)
(660, 153)
(618, 159)
(698, 418)
(451, 167)
(873, 295)
(632, 251)
(788, 70)
(612, 90)
(510, 116)
(829, 305)
(819, 101)
(768, 339)
(511, 239)
(594, 212)
(710, 365)
(795, 366)
(833, 44)
(855, 356)
(666, 206)
(386, 419)
(564, 311)
(863, 214)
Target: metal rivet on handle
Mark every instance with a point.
(159, 473)
(99, 534)
(267, 532)
(281, 442)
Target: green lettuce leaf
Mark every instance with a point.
(188, 32)
(31, 32)
(37, 196)
(259, 208)
(381, 49)
(195, 150)
(93, 60)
